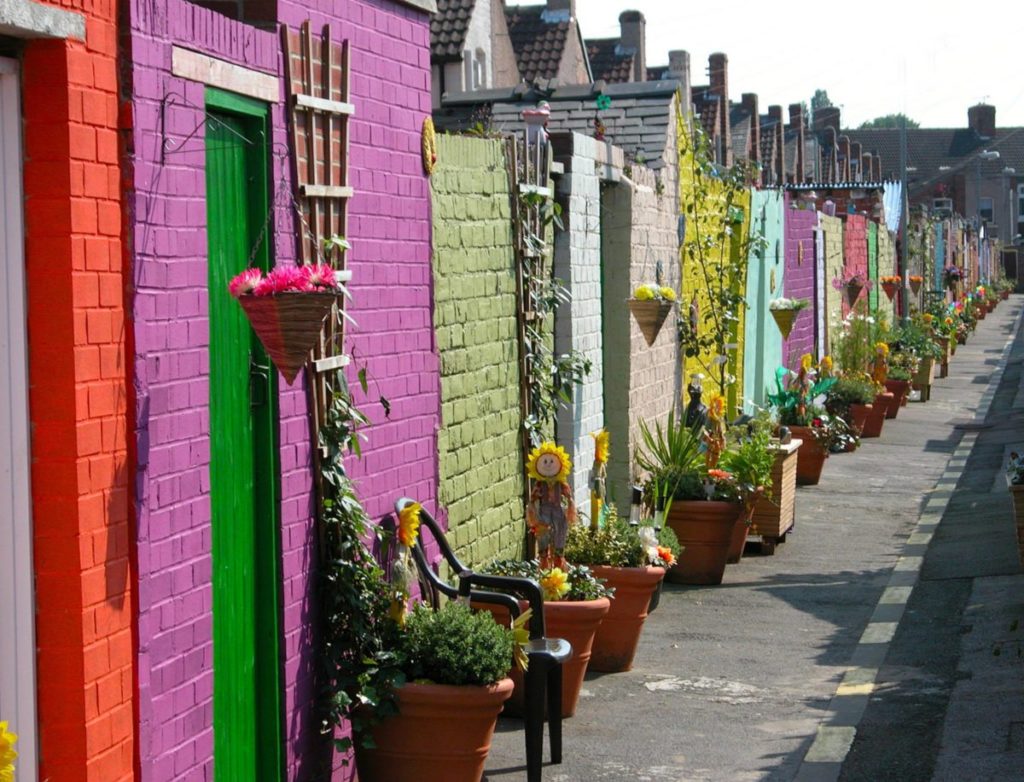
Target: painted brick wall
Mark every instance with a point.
(765, 281)
(855, 251)
(832, 228)
(800, 281)
(389, 227)
(578, 326)
(886, 268)
(78, 401)
(481, 466)
(641, 382)
(872, 242)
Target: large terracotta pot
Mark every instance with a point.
(1004, 294)
(810, 459)
(619, 632)
(899, 390)
(738, 541)
(442, 733)
(704, 530)
(876, 418)
(859, 416)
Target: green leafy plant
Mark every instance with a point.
(673, 459)
(850, 391)
(615, 544)
(454, 645)
(750, 459)
(581, 582)
(667, 539)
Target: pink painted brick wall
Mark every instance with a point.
(799, 280)
(389, 227)
(855, 251)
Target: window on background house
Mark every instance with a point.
(985, 210)
(258, 13)
(480, 70)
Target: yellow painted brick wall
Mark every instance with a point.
(833, 230)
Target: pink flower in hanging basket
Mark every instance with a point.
(320, 277)
(246, 282)
(281, 279)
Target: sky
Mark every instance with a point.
(931, 61)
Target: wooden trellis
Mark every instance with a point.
(317, 74)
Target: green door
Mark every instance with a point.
(244, 474)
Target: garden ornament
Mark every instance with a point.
(551, 509)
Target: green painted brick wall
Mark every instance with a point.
(474, 319)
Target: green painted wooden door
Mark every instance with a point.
(244, 474)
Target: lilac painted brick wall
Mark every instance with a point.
(799, 280)
(389, 227)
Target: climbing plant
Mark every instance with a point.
(714, 252)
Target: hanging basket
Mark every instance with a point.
(784, 319)
(650, 315)
(890, 289)
(852, 293)
(288, 325)
(915, 286)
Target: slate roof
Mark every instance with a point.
(931, 149)
(638, 119)
(741, 127)
(657, 73)
(810, 155)
(448, 29)
(706, 106)
(610, 60)
(538, 43)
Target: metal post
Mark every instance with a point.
(904, 220)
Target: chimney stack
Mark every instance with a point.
(749, 102)
(867, 167)
(876, 167)
(844, 159)
(982, 120)
(679, 68)
(633, 34)
(796, 122)
(718, 65)
(779, 129)
(827, 117)
(856, 174)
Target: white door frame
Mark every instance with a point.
(17, 596)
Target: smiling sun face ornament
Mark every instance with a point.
(551, 509)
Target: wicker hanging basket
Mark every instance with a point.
(784, 319)
(852, 293)
(890, 289)
(650, 315)
(915, 286)
(288, 324)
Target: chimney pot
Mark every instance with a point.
(718, 64)
(982, 120)
(633, 34)
(679, 68)
(562, 5)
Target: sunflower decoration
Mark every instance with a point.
(402, 572)
(521, 634)
(825, 366)
(598, 476)
(428, 146)
(714, 434)
(551, 509)
(880, 367)
(554, 583)
(7, 753)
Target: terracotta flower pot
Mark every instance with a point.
(899, 390)
(859, 416)
(810, 460)
(876, 418)
(619, 632)
(738, 541)
(442, 733)
(704, 530)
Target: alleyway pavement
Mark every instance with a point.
(884, 640)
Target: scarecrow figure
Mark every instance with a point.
(551, 509)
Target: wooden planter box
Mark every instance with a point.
(943, 342)
(773, 518)
(922, 381)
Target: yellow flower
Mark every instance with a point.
(643, 293)
(554, 583)
(667, 293)
(409, 524)
(716, 407)
(928, 317)
(521, 634)
(882, 349)
(549, 462)
(602, 445)
(7, 753)
(949, 321)
(826, 365)
(806, 362)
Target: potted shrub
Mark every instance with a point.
(750, 460)
(575, 603)
(851, 399)
(797, 406)
(701, 500)
(632, 561)
(916, 338)
(456, 664)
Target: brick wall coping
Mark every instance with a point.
(28, 19)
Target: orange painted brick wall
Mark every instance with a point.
(78, 403)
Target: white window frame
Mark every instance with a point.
(17, 597)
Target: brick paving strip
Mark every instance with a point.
(768, 675)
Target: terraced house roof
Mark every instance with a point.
(610, 60)
(538, 40)
(448, 29)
